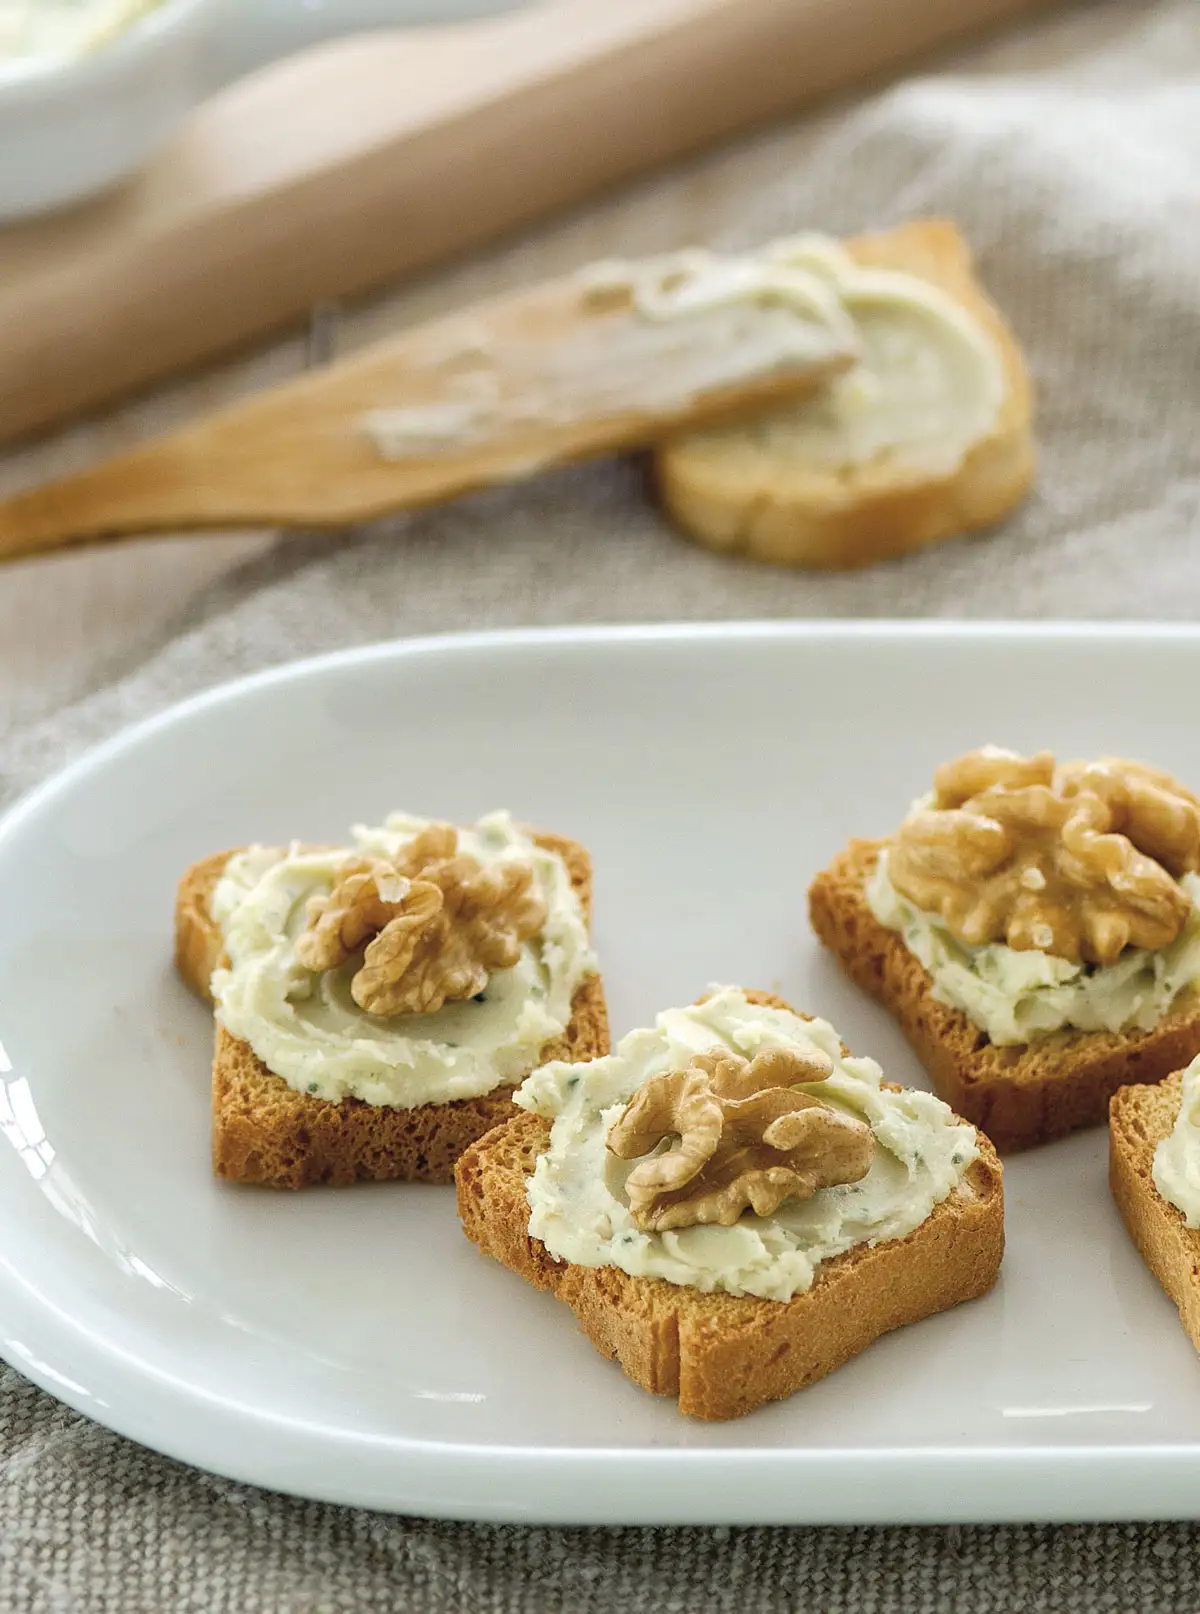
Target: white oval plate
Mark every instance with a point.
(350, 1345)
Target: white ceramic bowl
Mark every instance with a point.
(73, 128)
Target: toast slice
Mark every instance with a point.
(1139, 1118)
(1019, 1096)
(724, 1355)
(267, 1133)
(733, 491)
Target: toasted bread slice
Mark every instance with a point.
(724, 1355)
(1021, 1095)
(265, 1132)
(1139, 1118)
(734, 491)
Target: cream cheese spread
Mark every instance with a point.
(307, 1028)
(37, 31)
(1016, 997)
(701, 322)
(929, 381)
(465, 414)
(578, 1207)
(928, 385)
(1177, 1157)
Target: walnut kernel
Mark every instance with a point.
(746, 1139)
(1080, 861)
(435, 924)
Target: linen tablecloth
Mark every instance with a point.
(1069, 152)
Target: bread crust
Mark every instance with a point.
(817, 518)
(1139, 1118)
(265, 1132)
(719, 1355)
(1019, 1096)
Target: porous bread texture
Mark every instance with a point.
(1139, 1118)
(733, 493)
(721, 1356)
(1021, 1095)
(265, 1132)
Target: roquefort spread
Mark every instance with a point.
(1018, 996)
(1177, 1157)
(929, 382)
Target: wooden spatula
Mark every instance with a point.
(561, 372)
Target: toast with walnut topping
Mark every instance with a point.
(754, 491)
(1021, 1095)
(265, 1132)
(720, 1355)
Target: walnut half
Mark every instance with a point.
(746, 1140)
(1080, 861)
(434, 924)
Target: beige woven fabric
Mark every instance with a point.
(1069, 153)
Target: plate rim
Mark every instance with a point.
(739, 628)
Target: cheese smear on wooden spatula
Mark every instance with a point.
(656, 335)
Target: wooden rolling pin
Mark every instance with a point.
(571, 368)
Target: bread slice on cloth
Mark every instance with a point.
(752, 486)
